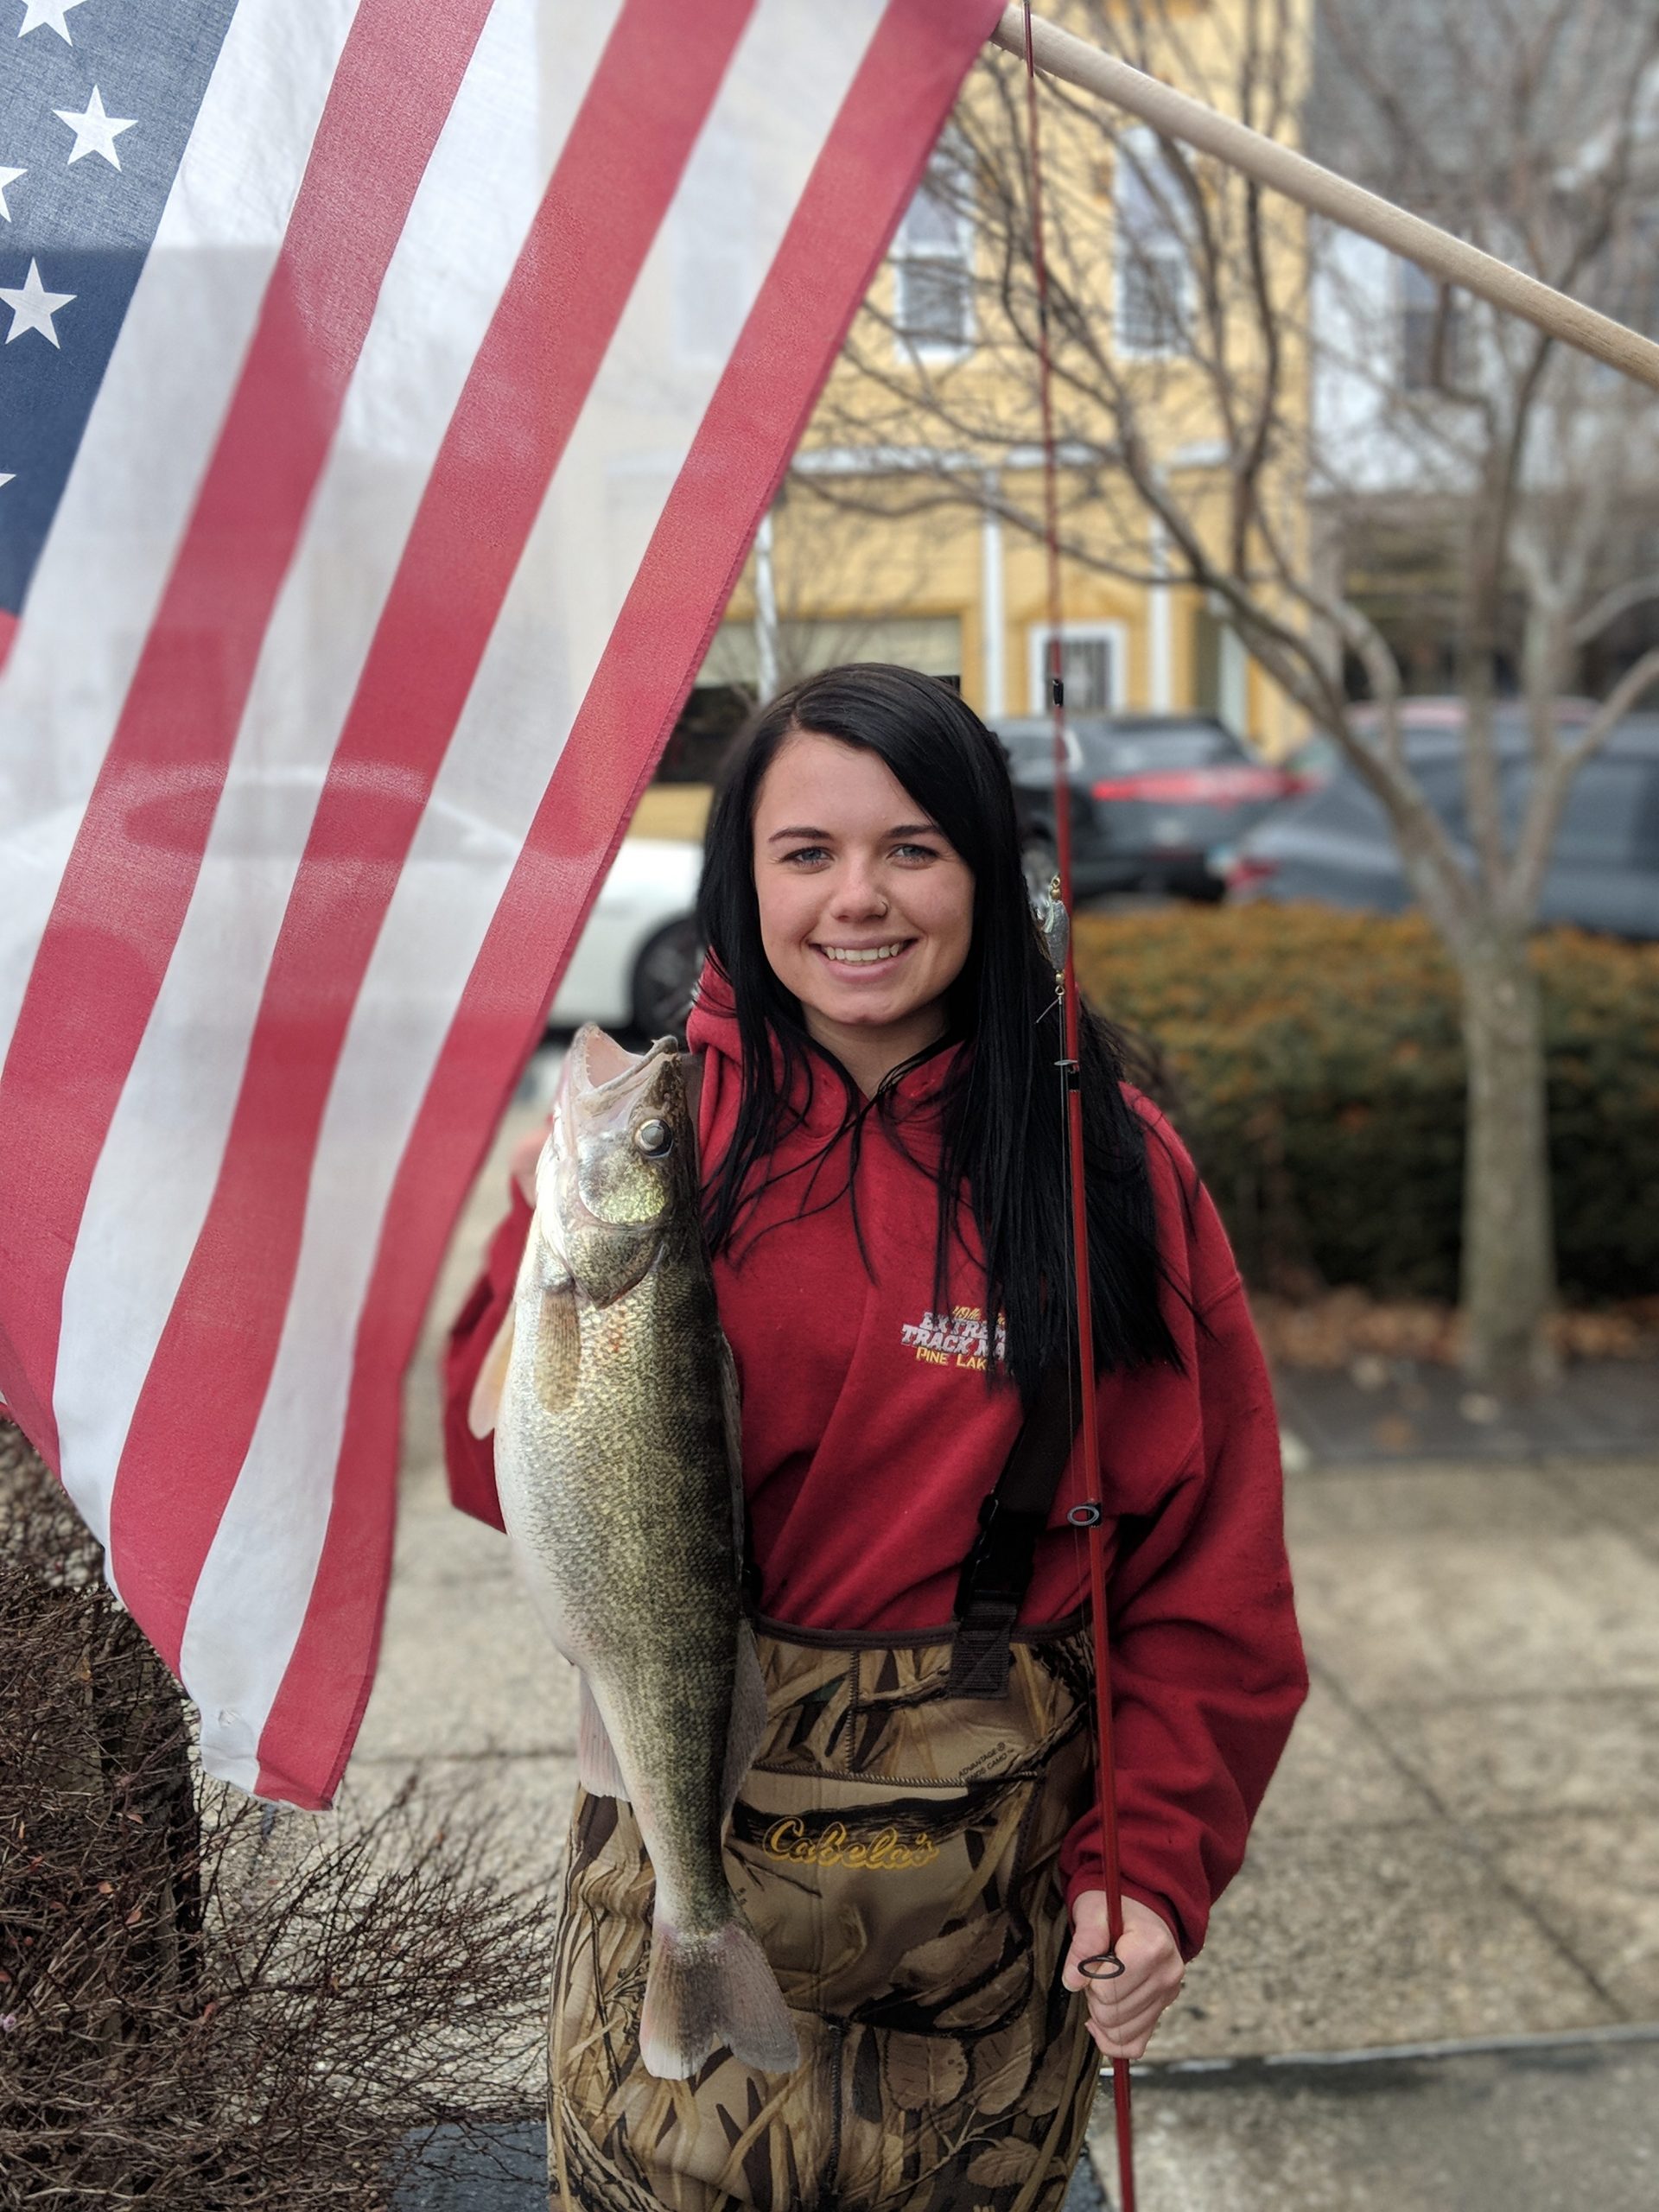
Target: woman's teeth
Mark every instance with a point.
(861, 953)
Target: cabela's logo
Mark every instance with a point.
(885, 1852)
(958, 1338)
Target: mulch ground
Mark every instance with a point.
(1339, 1328)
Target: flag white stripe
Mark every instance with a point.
(780, 96)
(148, 442)
(155, 1175)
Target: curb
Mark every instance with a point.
(500, 2166)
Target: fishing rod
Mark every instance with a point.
(1107, 1965)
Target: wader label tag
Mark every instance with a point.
(885, 1852)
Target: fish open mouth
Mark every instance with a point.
(606, 1085)
(597, 1059)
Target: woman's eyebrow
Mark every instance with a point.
(900, 830)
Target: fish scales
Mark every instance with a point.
(616, 1458)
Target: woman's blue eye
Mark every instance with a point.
(813, 854)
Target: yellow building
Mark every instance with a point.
(903, 531)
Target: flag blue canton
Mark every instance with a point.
(82, 201)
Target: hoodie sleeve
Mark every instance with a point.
(1206, 1662)
(470, 1460)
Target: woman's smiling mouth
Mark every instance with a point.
(865, 956)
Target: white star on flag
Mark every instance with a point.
(95, 132)
(8, 176)
(49, 12)
(32, 306)
(8, 476)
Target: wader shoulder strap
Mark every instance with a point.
(997, 1573)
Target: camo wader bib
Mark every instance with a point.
(896, 1847)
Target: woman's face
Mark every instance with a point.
(866, 910)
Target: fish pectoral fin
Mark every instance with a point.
(596, 1763)
(485, 1400)
(749, 1722)
(558, 1345)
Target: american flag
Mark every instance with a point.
(388, 397)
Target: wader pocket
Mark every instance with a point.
(890, 1907)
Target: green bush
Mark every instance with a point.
(1316, 1068)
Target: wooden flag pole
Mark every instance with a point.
(1176, 115)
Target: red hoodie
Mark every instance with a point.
(870, 1436)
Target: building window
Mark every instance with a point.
(1431, 331)
(934, 259)
(1153, 262)
(1091, 667)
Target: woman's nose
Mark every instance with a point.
(858, 893)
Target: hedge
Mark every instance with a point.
(1315, 1066)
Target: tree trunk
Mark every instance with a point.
(1509, 1247)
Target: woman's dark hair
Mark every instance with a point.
(1003, 1135)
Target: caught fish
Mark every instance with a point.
(614, 1401)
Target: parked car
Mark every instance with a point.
(640, 954)
(634, 964)
(1336, 846)
(1151, 796)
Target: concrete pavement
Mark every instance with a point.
(1462, 1844)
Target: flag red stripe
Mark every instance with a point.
(7, 631)
(121, 904)
(869, 166)
(656, 79)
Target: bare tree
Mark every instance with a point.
(204, 2002)
(1243, 399)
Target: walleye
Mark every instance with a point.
(614, 1401)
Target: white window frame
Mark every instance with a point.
(1142, 150)
(956, 252)
(1116, 636)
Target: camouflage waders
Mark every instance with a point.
(896, 1847)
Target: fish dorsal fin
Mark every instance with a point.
(485, 1400)
(558, 1345)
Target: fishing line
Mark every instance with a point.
(1107, 1965)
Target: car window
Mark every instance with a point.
(1347, 807)
(1442, 786)
(1028, 748)
(1133, 753)
(1603, 811)
(1344, 807)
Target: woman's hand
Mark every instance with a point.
(1123, 2012)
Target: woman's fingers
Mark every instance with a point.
(1119, 2044)
(1124, 2011)
(1124, 2022)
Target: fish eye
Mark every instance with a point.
(654, 1138)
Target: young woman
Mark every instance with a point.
(885, 1176)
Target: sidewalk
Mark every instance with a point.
(1462, 1844)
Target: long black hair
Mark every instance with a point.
(1002, 1136)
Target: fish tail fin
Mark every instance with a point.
(703, 1992)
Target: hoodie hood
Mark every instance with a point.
(819, 1096)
